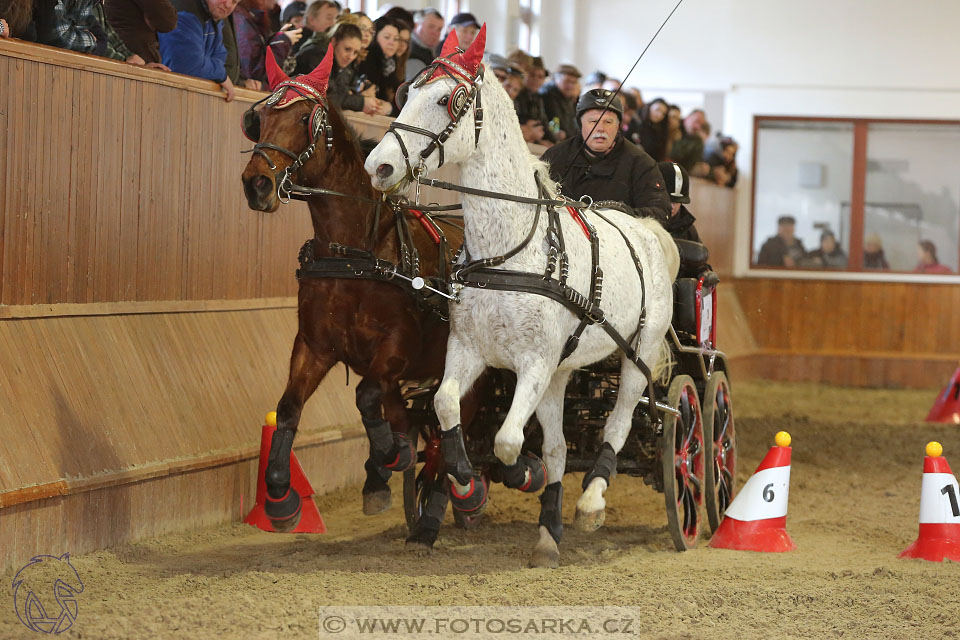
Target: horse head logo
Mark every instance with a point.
(45, 593)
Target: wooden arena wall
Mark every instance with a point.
(873, 334)
(146, 314)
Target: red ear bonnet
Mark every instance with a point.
(275, 74)
(469, 60)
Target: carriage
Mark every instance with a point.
(689, 455)
(588, 410)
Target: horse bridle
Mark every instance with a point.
(319, 123)
(465, 94)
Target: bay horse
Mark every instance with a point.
(518, 326)
(374, 326)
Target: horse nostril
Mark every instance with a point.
(261, 184)
(384, 171)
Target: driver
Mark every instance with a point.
(608, 167)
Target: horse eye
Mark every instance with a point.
(304, 119)
(443, 101)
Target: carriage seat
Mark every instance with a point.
(693, 266)
(693, 257)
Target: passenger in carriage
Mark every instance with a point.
(601, 164)
(693, 253)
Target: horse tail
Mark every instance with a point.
(670, 252)
(663, 369)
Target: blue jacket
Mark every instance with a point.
(195, 47)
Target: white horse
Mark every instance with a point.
(526, 332)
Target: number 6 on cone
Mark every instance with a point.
(756, 519)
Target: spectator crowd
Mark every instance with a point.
(227, 40)
(785, 249)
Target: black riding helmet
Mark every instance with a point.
(676, 180)
(598, 99)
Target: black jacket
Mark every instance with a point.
(340, 88)
(625, 174)
(562, 108)
(775, 249)
(681, 226)
(529, 106)
(381, 71)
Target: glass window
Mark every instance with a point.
(802, 187)
(912, 203)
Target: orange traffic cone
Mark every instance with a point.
(756, 520)
(947, 406)
(310, 519)
(939, 511)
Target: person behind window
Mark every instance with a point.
(783, 249)
(428, 27)
(927, 252)
(828, 256)
(16, 20)
(873, 257)
(342, 90)
(654, 128)
(599, 163)
(560, 102)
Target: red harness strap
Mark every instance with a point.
(578, 217)
(426, 225)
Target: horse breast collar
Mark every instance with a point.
(465, 94)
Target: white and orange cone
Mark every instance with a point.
(939, 511)
(756, 520)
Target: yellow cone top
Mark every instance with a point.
(934, 449)
(782, 439)
(271, 419)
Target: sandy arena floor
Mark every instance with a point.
(857, 458)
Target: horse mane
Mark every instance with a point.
(363, 146)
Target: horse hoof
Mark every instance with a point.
(546, 555)
(287, 524)
(472, 500)
(376, 502)
(545, 558)
(589, 521)
(421, 542)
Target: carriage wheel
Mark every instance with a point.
(427, 472)
(721, 444)
(683, 463)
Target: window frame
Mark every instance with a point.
(857, 207)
